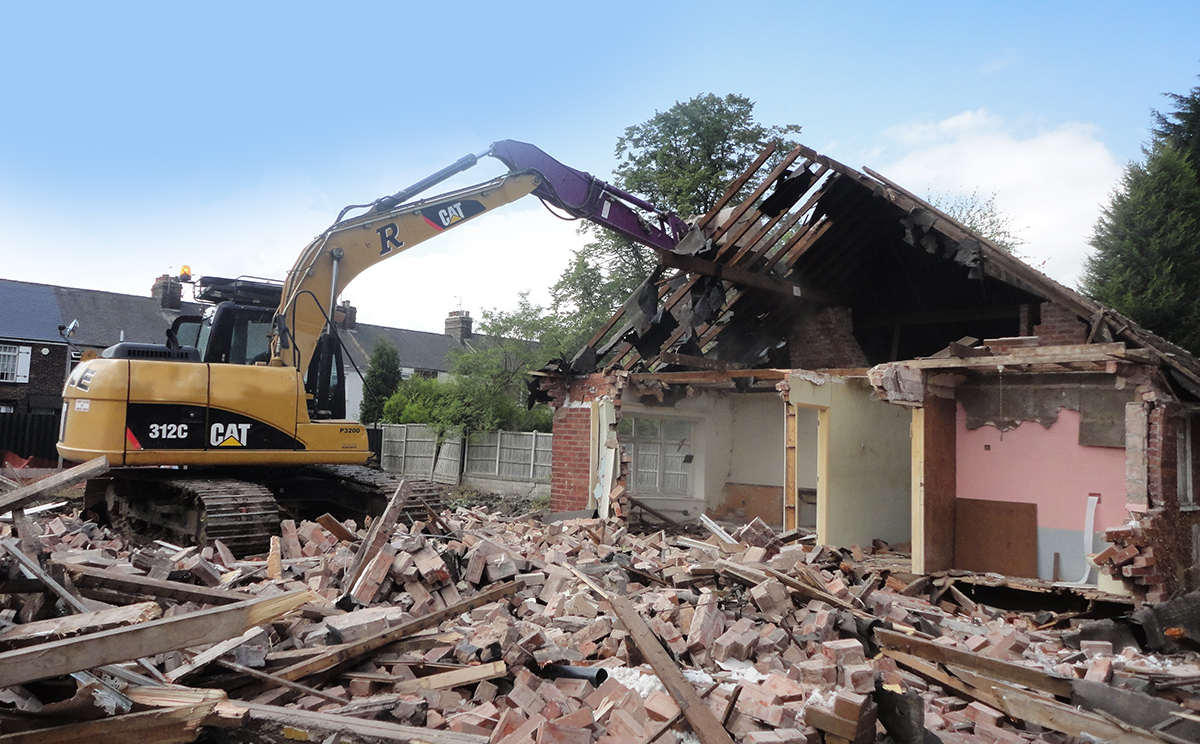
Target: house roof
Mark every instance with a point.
(816, 233)
(28, 312)
(417, 349)
(33, 312)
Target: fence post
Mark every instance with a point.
(499, 447)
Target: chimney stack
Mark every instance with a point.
(168, 290)
(349, 319)
(458, 324)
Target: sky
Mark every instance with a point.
(138, 138)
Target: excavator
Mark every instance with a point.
(245, 404)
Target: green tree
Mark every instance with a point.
(383, 374)
(681, 160)
(487, 389)
(1147, 241)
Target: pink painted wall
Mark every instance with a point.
(1048, 467)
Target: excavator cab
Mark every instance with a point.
(236, 330)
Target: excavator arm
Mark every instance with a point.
(393, 224)
(349, 247)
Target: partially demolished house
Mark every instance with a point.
(835, 353)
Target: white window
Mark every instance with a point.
(1188, 453)
(662, 454)
(14, 363)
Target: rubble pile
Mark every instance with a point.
(472, 628)
(1131, 559)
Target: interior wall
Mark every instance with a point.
(754, 482)
(756, 440)
(865, 456)
(1045, 466)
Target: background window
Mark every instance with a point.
(14, 363)
(662, 454)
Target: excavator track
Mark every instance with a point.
(244, 512)
(379, 485)
(241, 514)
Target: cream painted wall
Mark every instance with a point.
(756, 439)
(865, 462)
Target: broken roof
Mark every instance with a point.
(815, 233)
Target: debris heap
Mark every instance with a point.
(470, 628)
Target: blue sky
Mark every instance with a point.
(139, 137)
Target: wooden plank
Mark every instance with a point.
(75, 604)
(454, 678)
(791, 496)
(716, 530)
(934, 673)
(312, 726)
(336, 528)
(157, 636)
(702, 720)
(1068, 720)
(745, 278)
(161, 726)
(280, 682)
(996, 537)
(736, 186)
(336, 655)
(646, 507)
(379, 533)
(1031, 355)
(35, 570)
(209, 655)
(1001, 670)
(104, 578)
(710, 376)
(19, 636)
(748, 207)
(34, 491)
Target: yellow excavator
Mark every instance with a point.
(245, 404)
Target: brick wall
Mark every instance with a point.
(1060, 327)
(824, 339)
(1152, 483)
(570, 462)
(570, 459)
(47, 372)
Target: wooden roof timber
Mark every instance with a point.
(1032, 355)
(1008, 268)
(726, 375)
(837, 190)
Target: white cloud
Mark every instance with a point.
(1051, 182)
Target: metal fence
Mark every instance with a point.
(30, 434)
(414, 449)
